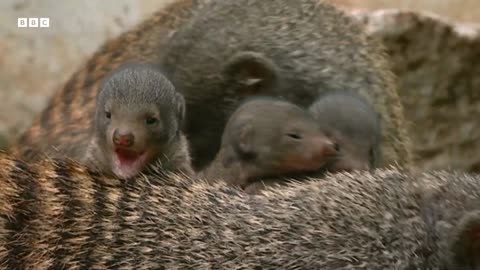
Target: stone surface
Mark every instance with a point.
(438, 67)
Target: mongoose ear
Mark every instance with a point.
(465, 245)
(180, 108)
(253, 72)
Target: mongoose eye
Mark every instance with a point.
(108, 115)
(151, 120)
(294, 136)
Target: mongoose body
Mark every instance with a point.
(217, 52)
(57, 214)
(352, 123)
(138, 120)
(268, 138)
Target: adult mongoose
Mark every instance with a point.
(57, 214)
(221, 51)
(138, 120)
(268, 138)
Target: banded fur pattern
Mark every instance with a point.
(57, 214)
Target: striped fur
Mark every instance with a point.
(58, 215)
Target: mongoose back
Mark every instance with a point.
(267, 138)
(138, 120)
(221, 51)
(59, 215)
(352, 123)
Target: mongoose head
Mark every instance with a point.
(270, 137)
(352, 123)
(139, 114)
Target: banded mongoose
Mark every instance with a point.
(269, 138)
(138, 120)
(352, 123)
(59, 215)
(216, 52)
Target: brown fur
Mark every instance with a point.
(294, 49)
(268, 138)
(58, 214)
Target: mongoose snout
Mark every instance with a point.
(123, 139)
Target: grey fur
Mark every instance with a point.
(130, 94)
(295, 49)
(385, 220)
(353, 124)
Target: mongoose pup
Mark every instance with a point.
(138, 121)
(352, 123)
(62, 128)
(267, 138)
(295, 49)
(59, 215)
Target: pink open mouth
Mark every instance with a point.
(128, 163)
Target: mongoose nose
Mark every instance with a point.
(331, 148)
(325, 148)
(125, 140)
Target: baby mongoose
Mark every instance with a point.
(267, 138)
(351, 122)
(137, 121)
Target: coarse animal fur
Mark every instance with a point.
(57, 214)
(138, 120)
(221, 51)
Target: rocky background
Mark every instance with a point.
(436, 58)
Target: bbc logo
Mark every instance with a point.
(33, 22)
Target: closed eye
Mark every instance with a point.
(294, 136)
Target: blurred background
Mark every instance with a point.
(34, 62)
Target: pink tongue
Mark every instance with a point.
(126, 157)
